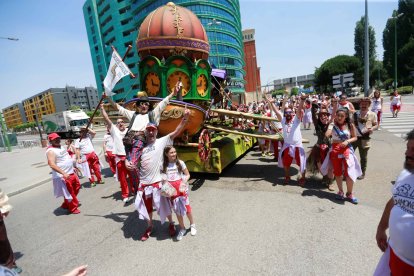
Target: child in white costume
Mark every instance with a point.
(176, 173)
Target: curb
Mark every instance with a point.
(100, 154)
(29, 187)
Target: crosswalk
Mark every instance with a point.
(398, 126)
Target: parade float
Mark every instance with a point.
(173, 47)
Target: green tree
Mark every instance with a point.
(74, 107)
(405, 31)
(90, 113)
(334, 66)
(294, 91)
(378, 74)
(359, 41)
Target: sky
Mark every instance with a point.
(292, 39)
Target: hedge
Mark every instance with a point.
(404, 90)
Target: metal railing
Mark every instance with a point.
(28, 144)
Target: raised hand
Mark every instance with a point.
(177, 87)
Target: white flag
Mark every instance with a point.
(117, 70)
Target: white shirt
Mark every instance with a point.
(396, 100)
(401, 221)
(291, 131)
(85, 145)
(141, 121)
(335, 136)
(63, 161)
(376, 104)
(109, 142)
(172, 171)
(117, 136)
(152, 159)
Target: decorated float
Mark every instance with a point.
(173, 47)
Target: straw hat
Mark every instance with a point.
(4, 203)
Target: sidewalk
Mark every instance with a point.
(23, 169)
(26, 168)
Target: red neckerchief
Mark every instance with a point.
(289, 124)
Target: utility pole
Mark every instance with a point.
(6, 142)
(395, 17)
(366, 53)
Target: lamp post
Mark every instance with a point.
(254, 67)
(3, 133)
(213, 24)
(37, 119)
(395, 17)
(366, 52)
(10, 38)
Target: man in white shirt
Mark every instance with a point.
(398, 216)
(150, 174)
(65, 181)
(292, 148)
(85, 150)
(108, 147)
(118, 133)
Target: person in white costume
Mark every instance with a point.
(65, 181)
(398, 217)
(149, 193)
(396, 103)
(292, 146)
(177, 175)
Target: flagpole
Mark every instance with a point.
(102, 97)
(126, 53)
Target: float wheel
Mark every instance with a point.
(204, 145)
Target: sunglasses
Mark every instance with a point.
(144, 103)
(120, 122)
(288, 112)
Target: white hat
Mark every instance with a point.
(4, 203)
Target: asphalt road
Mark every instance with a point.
(247, 223)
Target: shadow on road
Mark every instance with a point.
(134, 228)
(59, 211)
(314, 187)
(18, 255)
(116, 196)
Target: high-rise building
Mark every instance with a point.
(111, 23)
(252, 77)
(55, 100)
(14, 115)
(116, 23)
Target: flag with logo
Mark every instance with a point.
(116, 71)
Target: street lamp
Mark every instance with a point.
(254, 67)
(10, 38)
(366, 52)
(37, 119)
(395, 17)
(215, 23)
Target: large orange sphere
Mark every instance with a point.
(172, 30)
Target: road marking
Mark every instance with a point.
(399, 126)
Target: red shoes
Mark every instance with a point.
(171, 229)
(147, 233)
(75, 212)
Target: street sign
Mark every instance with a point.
(348, 75)
(338, 81)
(337, 86)
(351, 84)
(336, 77)
(348, 79)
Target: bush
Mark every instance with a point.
(294, 91)
(404, 90)
(24, 126)
(278, 92)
